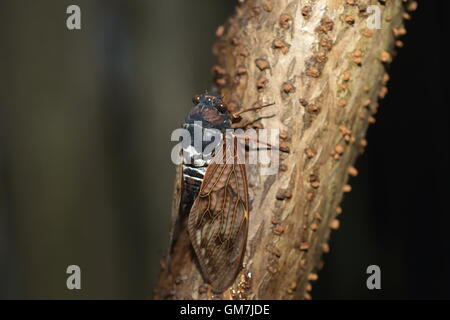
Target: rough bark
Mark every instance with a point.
(325, 70)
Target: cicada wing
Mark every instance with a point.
(218, 220)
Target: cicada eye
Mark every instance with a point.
(196, 99)
(222, 107)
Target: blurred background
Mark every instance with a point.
(85, 170)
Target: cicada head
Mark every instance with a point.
(211, 111)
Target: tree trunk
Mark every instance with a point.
(325, 68)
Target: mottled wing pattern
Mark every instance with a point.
(218, 220)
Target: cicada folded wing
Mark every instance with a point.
(218, 220)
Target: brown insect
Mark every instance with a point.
(215, 194)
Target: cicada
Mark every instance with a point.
(215, 193)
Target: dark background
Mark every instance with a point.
(85, 170)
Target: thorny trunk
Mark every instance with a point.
(325, 69)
